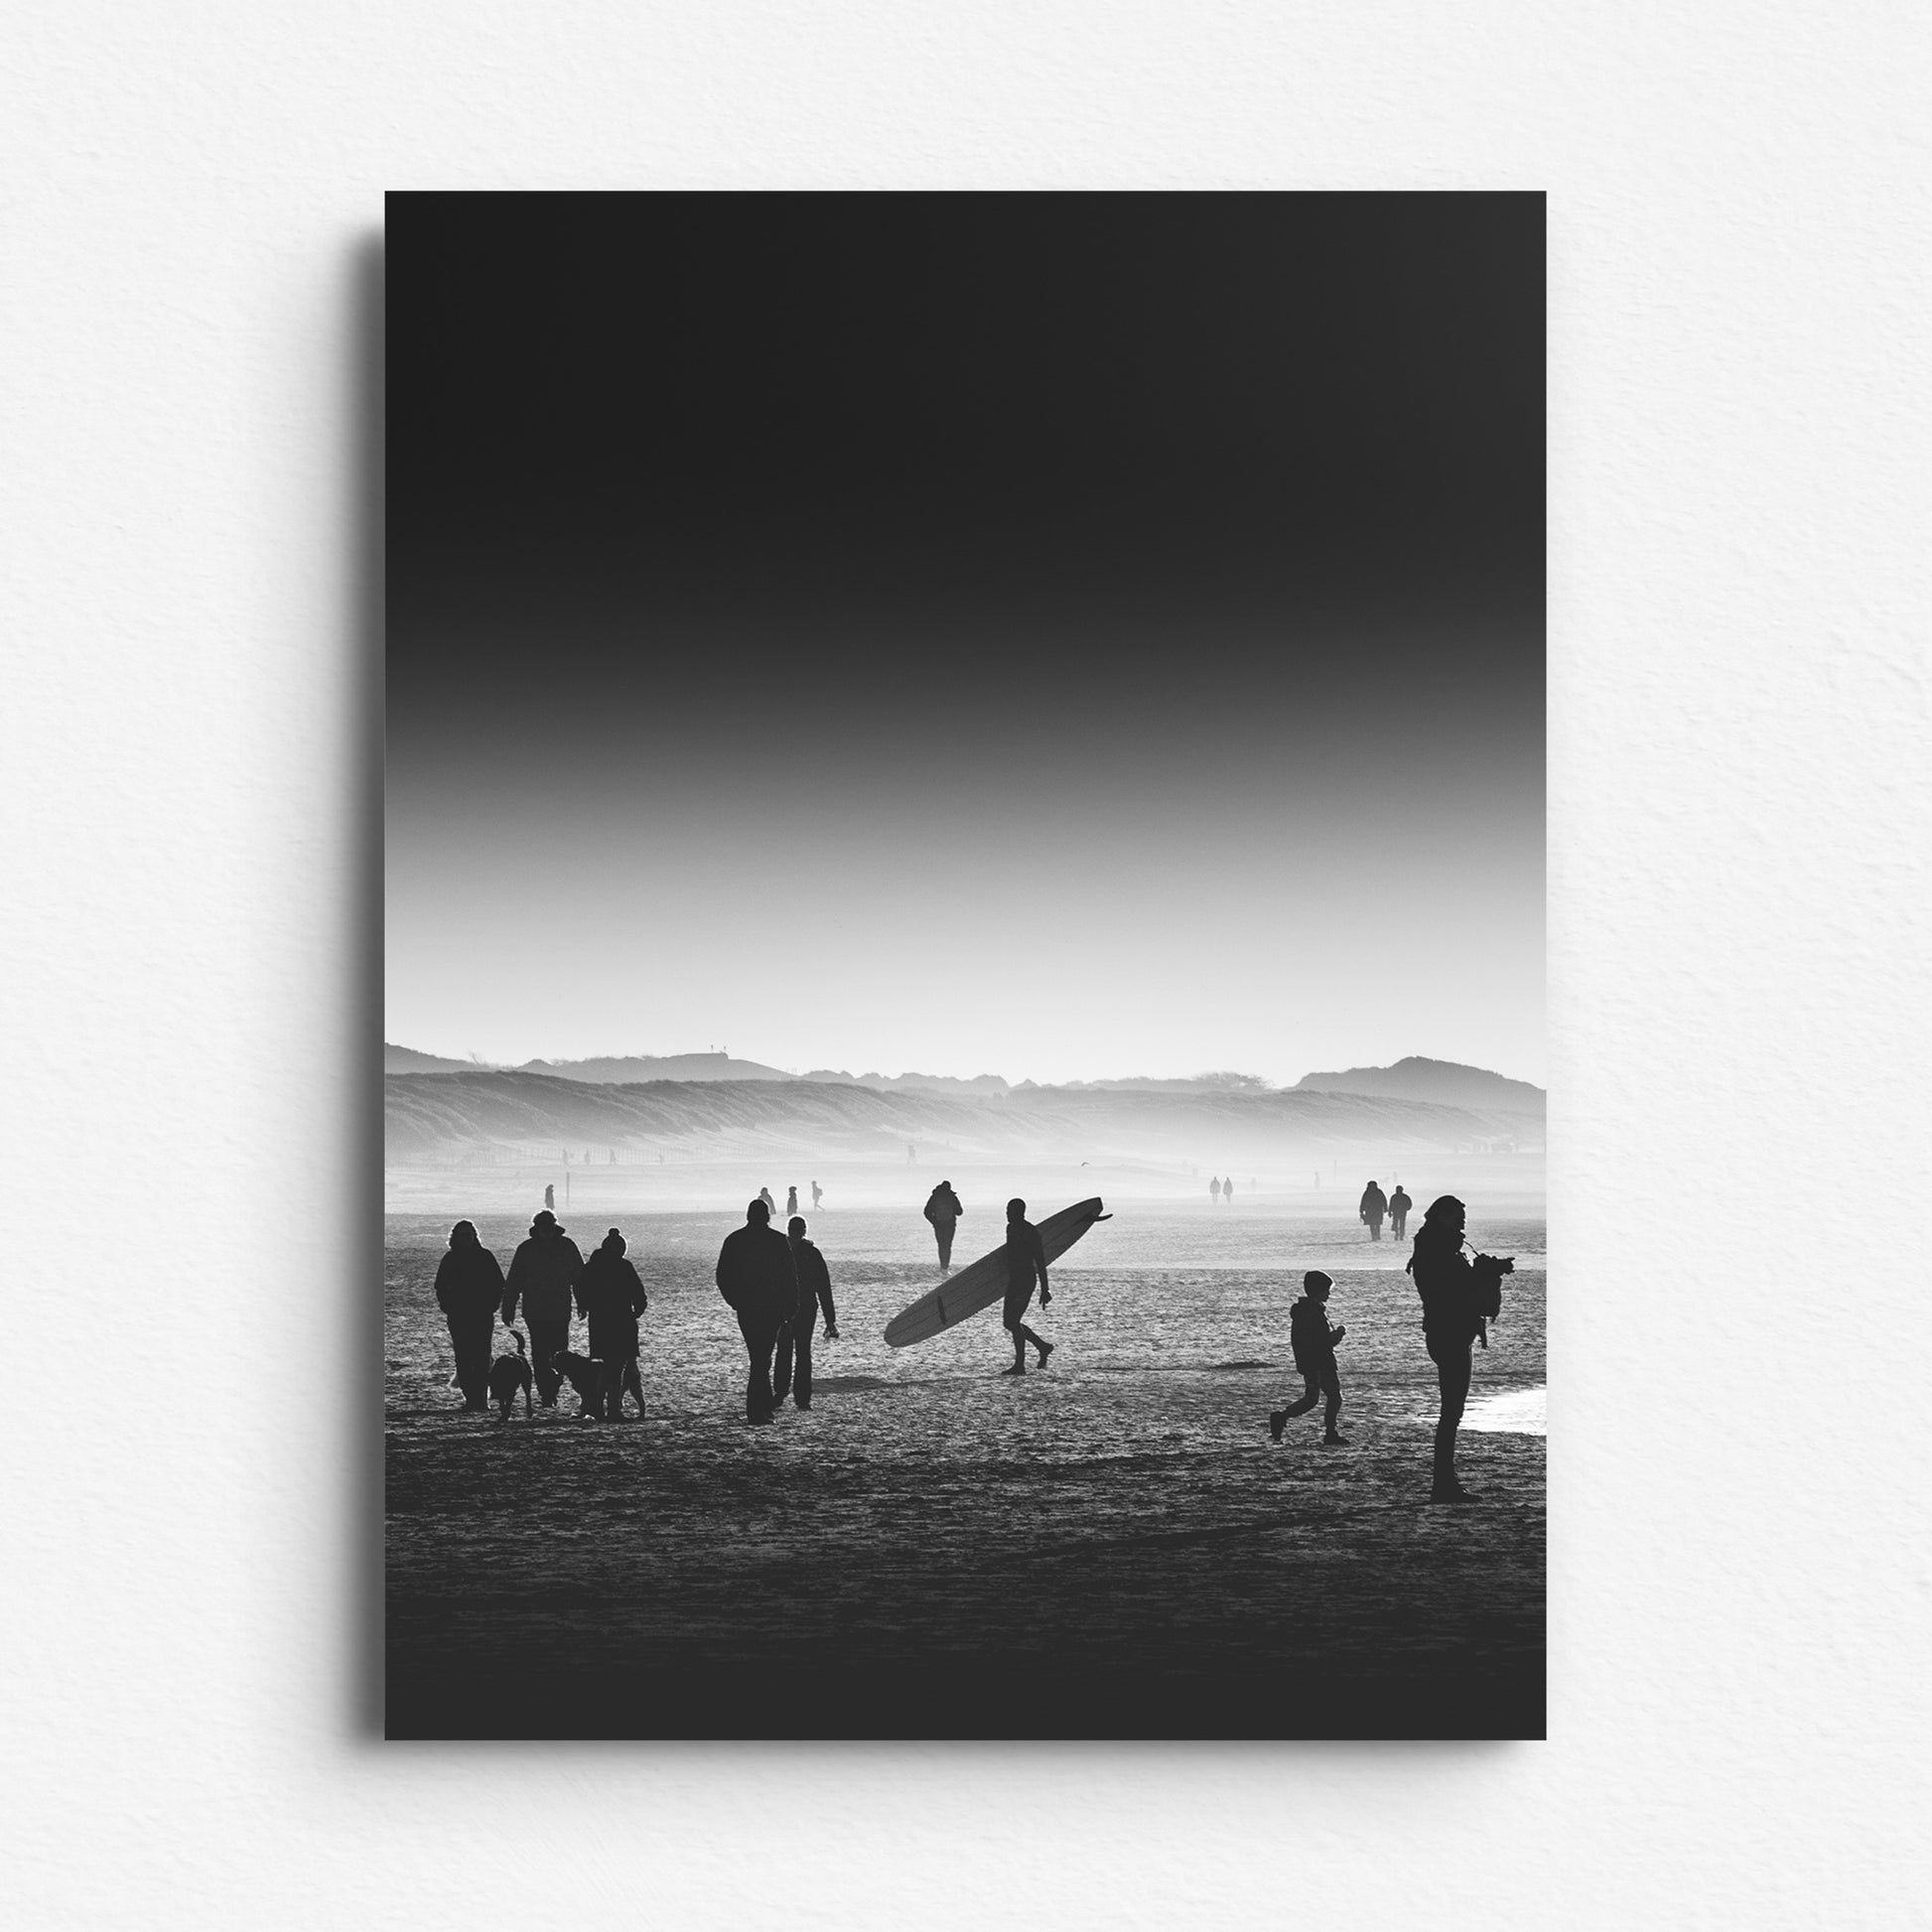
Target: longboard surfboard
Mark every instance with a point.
(985, 1281)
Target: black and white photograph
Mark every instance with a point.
(964, 1127)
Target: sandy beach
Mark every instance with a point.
(1110, 1548)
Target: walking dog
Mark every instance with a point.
(507, 1374)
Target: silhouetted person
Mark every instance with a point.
(943, 1209)
(1214, 1189)
(611, 1299)
(759, 1277)
(550, 1196)
(543, 1273)
(770, 1205)
(794, 1373)
(816, 1197)
(1375, 1204)
(791, 1201)
(1313, 1343)
(468, 1287)
(1399, 1206)
(1450, 1315)
(1227, 1192)
(1025, 1264)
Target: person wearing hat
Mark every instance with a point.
(759, 1279)
(612, 1297)
(543, 1275)
(943, 1209)
(469, 1285)
(1313, 1343)
(1450, 1317)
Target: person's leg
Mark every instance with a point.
(1024, 1334)
(1452, 1377)
(546, 1338)
(1310, 1396)
(1015, 1328)
(801, 1387)
(1332, 1388)
(945, 1233)
(782, 1372)
(463, 1347)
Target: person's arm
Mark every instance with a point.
(577, 1292)
(1040, 1262)
(825, 1298)
(639, 1300)
(512, 1288)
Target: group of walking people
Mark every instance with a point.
(779, 1287)
(1376, 1207)
(1459, 1295)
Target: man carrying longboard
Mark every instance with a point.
(1025, 1264)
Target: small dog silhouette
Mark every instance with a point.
(507, 1374)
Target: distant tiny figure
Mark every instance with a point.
(943, 1209)
(543, 1276)
(468, 1287)
(550, 1196)
(795, 1370)
(1375, 1204)
(759, 1277)
(1399, 1206)
(1458, 1295)
(816, 1197)
(611, 1299)
(1214, 1189)
(1025, 1264)
(770, 1205)
(1227, 1192)
(1313, 1343)
(791, 1200)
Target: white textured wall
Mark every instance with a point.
(1739, 823)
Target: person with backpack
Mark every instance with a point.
(1313, 1343)
(943, 1209)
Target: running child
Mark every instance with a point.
(1313, 1343)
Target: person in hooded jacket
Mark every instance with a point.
(543, 1275)
(759, 1279)
(612, 1297)
(1374, 1206)
(469, 1285)
(794, 1368)
(1451, 1317)
(943, 1209)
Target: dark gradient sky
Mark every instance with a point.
(1057, 635)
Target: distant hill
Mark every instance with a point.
(633, 1068)
(406, 1060)
(517, 1114)
(1443, 1083)
(900, 1082)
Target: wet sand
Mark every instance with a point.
(1110, 1548)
